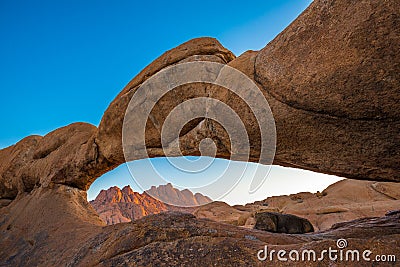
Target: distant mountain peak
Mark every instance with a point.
(116, 205)
(173, 196)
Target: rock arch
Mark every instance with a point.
(332, 87)
(332, 81)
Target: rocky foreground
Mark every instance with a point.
(57, 226)
(332, 81)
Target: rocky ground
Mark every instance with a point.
(59, 222)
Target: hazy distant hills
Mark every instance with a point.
(168, 194)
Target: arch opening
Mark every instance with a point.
(280, 181)
(323, 199)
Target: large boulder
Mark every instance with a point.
(282, 223)
(332, 79)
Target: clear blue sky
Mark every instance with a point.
(65, 61)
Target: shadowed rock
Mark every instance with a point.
(282, 223)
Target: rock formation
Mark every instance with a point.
(336, 131)
(115, 205)
(220, 212)
(342, 201)
(282, 223)
(315, 75)
(331, 79)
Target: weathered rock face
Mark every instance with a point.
(282, 223)
(331, 79)
(64, 156)
(219, 211)
(115, 205)
(334, 75)
(109, 136)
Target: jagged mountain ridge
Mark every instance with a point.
(116, 205)
(170, 195)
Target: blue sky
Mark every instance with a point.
(65, 61)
